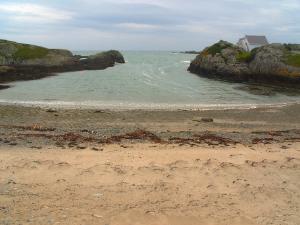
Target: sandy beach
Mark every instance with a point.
(86, 166)
(159, 112)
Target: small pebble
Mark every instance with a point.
(99, 111)
(36, 147)
(51, 111)
(97, 149)
(13, 144)
(97, 216)
(207, 120)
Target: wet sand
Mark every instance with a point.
(67, 166)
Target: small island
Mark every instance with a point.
(28, 62)
(272, 63)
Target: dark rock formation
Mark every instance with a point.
(190, 52)
(106, 59)
(271, 63)
(3, 87)
(27, 62)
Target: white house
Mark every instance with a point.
(250, 42)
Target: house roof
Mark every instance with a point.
(258, 40)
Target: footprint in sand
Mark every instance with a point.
(178, 164)
(60, 165)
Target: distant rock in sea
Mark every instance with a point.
(26, 62)
(274, 63)
(190, 52)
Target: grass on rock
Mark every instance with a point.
(293, 60)
(217, 48)
(30, 52)
(246, 56)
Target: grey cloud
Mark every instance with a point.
(157, 24)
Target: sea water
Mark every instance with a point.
(154, 80)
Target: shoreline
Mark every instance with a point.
(89, 105)
(47, 125)
(91, 166)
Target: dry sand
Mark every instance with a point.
(151, 184)
(83, 167)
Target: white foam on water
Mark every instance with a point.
(136, 106)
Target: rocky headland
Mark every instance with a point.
(274, 63)
(27, 62)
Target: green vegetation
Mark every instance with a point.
(30, 52)
(21, 51)
(293, 60)
(246, 56)
(217, 48)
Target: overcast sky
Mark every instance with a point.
(146, 24)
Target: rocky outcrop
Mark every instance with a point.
(270, 63)
(190, 52)
(106, 59)
(27, 62)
